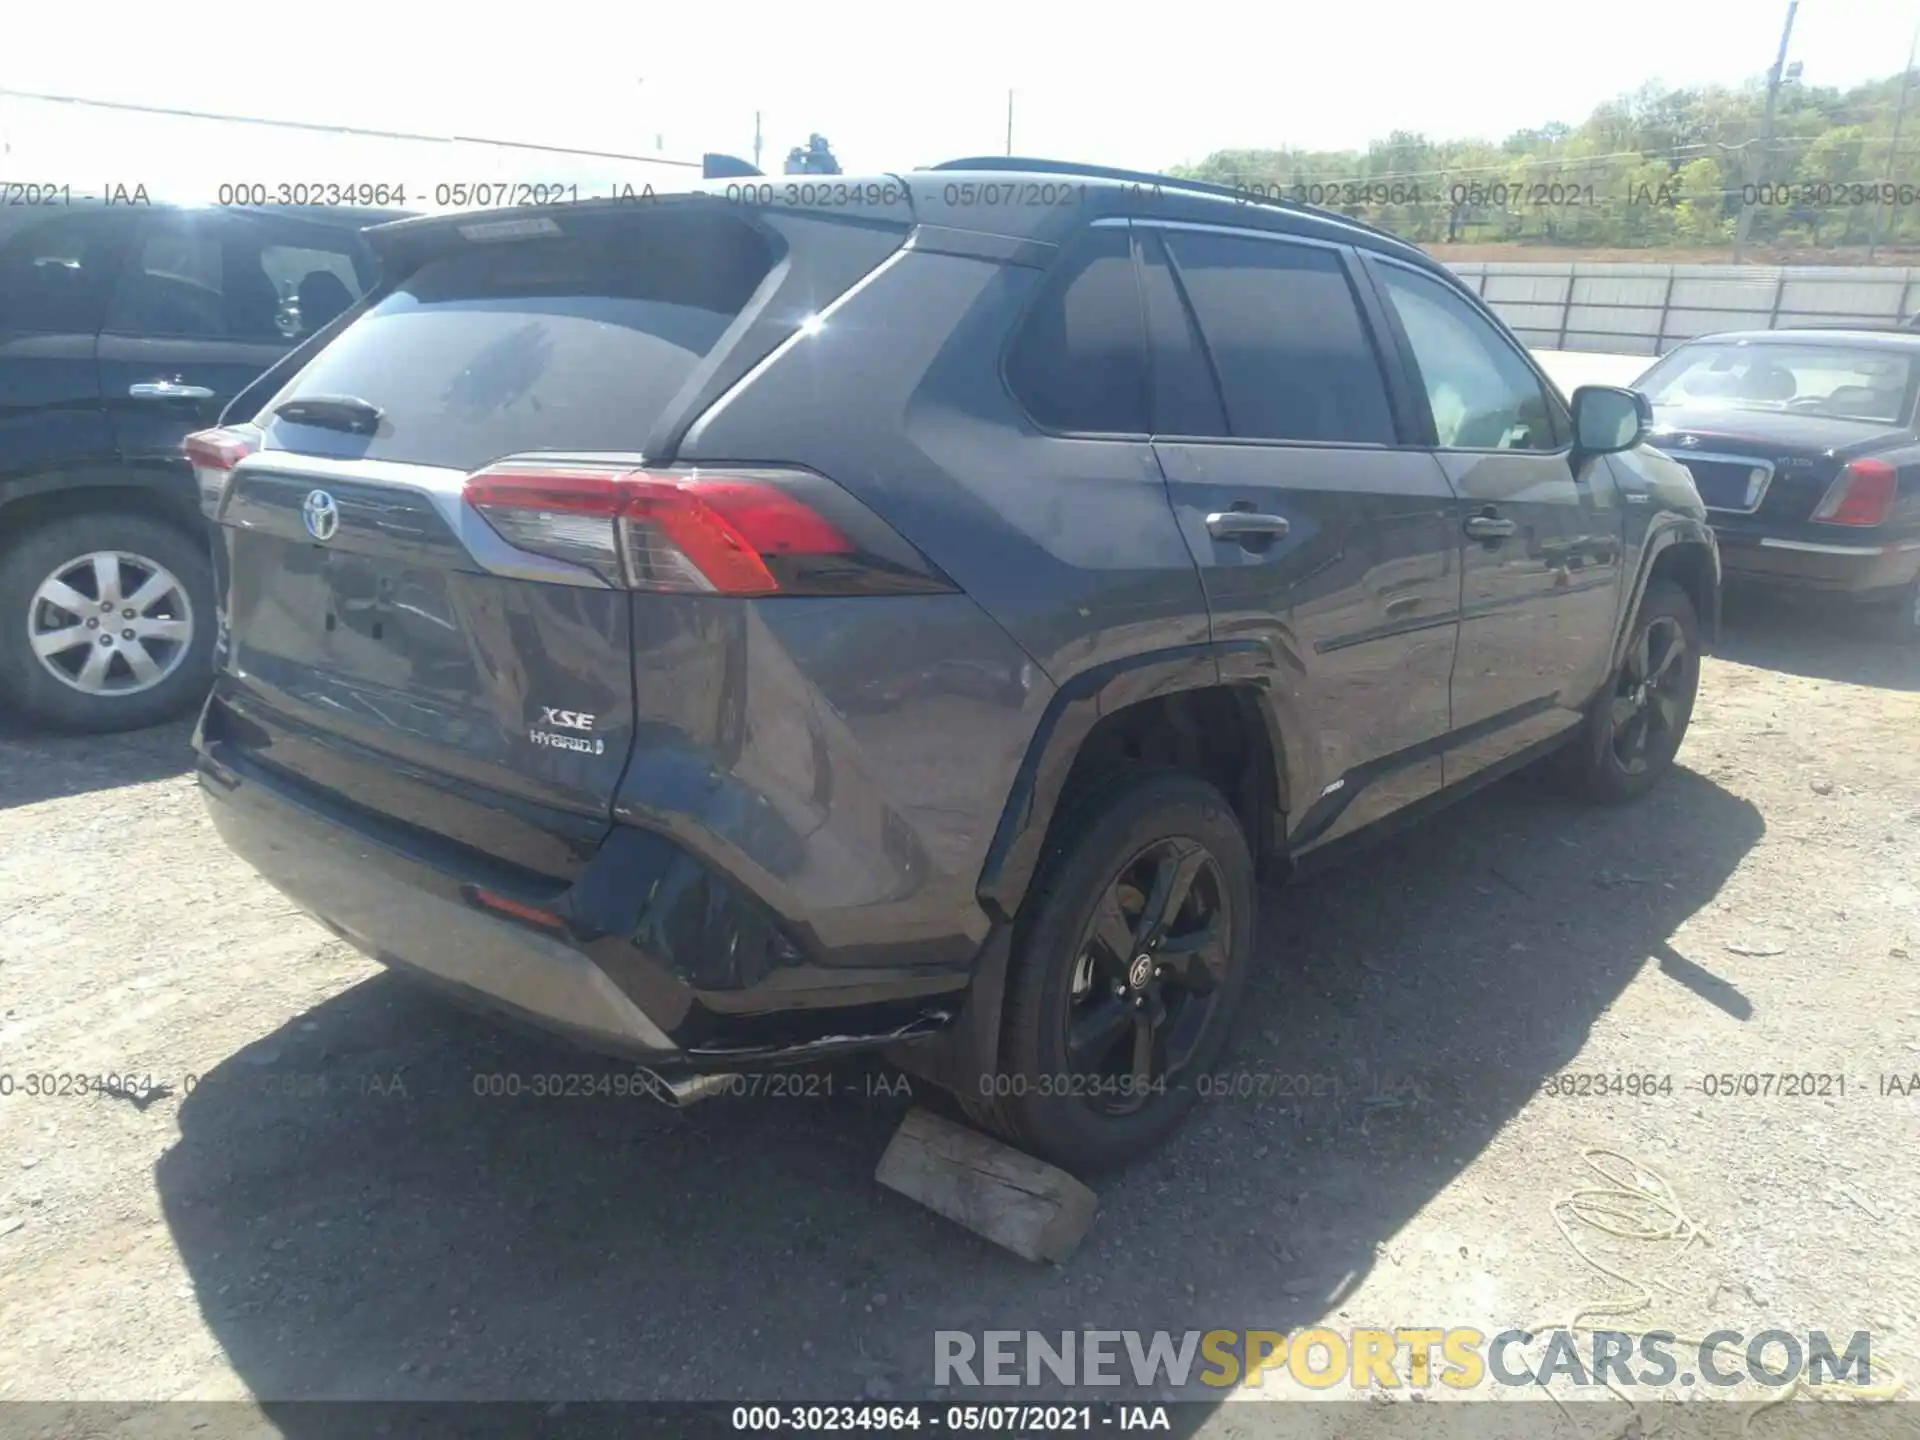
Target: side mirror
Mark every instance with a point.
(1608, 419)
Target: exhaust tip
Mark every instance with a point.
(684, 1090)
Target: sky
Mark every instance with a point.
(891, 86)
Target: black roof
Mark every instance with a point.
(1024, 165)
(998, 195)
(1248, 208)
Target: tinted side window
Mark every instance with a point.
(172, 287)
(1079, 361)
(1285, 337)
(200, 279)
(1483, 395)
(55, 276)
(1186, 399)
(313, 285)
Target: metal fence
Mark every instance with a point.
(1648, 309)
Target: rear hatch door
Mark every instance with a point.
(384, 642)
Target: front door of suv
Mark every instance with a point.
(1540, 542)
(1320, 535)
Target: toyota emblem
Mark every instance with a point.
(321, 513)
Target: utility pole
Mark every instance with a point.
(756, 139)
(1745, 223)
(1893, 150)
(1009, 122)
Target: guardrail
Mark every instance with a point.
(1648, 309)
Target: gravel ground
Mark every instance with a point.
(313, 1201)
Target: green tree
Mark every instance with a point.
(1653, 167)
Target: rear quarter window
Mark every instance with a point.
(577, 342)
(1079, 360)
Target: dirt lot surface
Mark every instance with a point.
(303, 1196)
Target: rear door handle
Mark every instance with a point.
(168, 390)
(1489, 527)
(1240, 524)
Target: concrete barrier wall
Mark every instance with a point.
(1648, 309)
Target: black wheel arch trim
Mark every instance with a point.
(1081, 703)
(1665, 532)
(171, 491)
(966, 1052)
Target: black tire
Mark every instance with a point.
(1085, 1116)
(1899, 622)
(1603, 762)
(184, 664)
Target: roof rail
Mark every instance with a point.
(1148, 177)
(1866, 327)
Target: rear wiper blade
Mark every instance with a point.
(334, 412)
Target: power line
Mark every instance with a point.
(339, 129)
(1745, 223)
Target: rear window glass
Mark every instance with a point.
(1832, 380)
(571, 343)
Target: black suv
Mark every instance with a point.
(122, 329)
(908, 612)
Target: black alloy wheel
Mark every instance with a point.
(1149, 970)
(1130, 958)
(1650, 697)
(1634, 726)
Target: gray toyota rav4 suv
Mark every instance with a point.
(909, 612)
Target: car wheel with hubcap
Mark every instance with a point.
(1130, 958)
(1636, 724)
(106, 622)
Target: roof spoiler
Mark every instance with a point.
(401, 245)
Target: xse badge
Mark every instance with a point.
(567, 720)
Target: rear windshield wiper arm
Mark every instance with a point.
(333, 412)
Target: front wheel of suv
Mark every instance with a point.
(1130, 960)
(1637, 722)
(106, 621)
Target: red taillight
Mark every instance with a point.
(1860, 495)
(562, 512)
(213, 454)
(589, 491)
(729, 530)
(656, 530)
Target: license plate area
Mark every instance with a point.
(1732, 484)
